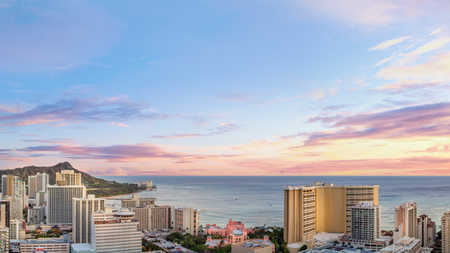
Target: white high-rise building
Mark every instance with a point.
(115, 232)
(187, 219)
(153, 217)
(14, 229)
(40, 198)
(19, 191)
(36, 215)
(405, 221)
(81, 219)
(366, 221)
(59, 202)
(16, 207)
(445, 224)
(69, 176)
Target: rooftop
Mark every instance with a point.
(82, 247)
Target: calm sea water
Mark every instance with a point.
(260, 199)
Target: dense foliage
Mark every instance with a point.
(148, 246)
(111, 188)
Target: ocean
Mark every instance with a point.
(260, 199)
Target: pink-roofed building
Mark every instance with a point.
(234, 232)
(216, 242)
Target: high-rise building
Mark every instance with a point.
(59, 202)
(7, 184)
(153, 217)
(115, 232)
(15, 207)
(187, 219)
(15, 226)
(366, 221)
(405, 220)
(37, 183)
(81, 219)
(4, 226)
(426, 231)
(445, 224)
(19, 191)
(69, 176)
(137, 201)
(322, 208)
(32, 186)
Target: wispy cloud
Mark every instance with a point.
(75, 110)
(437, 31)
(224, 128)
(53, 140)
(386, 44)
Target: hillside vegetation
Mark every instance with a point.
(97, 186)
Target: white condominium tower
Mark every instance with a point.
(115, 232)
(153, 217)
(59, 202)
(322, 207)
(69, 176)
(19, 191)
(187, 219)
(81, 219)
(37, 183)
(366, 221)
(405, 220)
(445, 224)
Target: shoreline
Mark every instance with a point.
(121, 196)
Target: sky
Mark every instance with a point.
(250, 87)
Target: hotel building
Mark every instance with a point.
(4, 226)
(115, 232)
(445, 224)
(81, 217)
(59, 202)
(69, 176)
(187, 219)
(322, 207)
(137, 201)
(405, 221)
(366, 221)
(153, 217)
(426, 231)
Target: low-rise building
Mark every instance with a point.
(82, 248)
(254, 246)
(49, 245)
(404, 245)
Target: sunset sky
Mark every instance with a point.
(249, 87)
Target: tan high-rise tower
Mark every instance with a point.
(69, 176)
(405, 220)
(322, 208)
(445, 223)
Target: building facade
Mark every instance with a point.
(234, 232)
(36, 214)
(19, 191)
(137, 201)
(49, 245)
(69, 176)
(366, 221)
(153, 217)
(445, 224)
(37, 183)
(187, 219)
(426, 231)
(115, 232)
(15, 207)
(404, 245)
(81, 219)
(322, 207)
(405, 220)
(4, 239)
(59, 201)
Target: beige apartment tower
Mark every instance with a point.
(153, 217)
(81, 217)
(69, 176)
(187, 219)
(405, 220)
(322, 207)
(445, 223)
